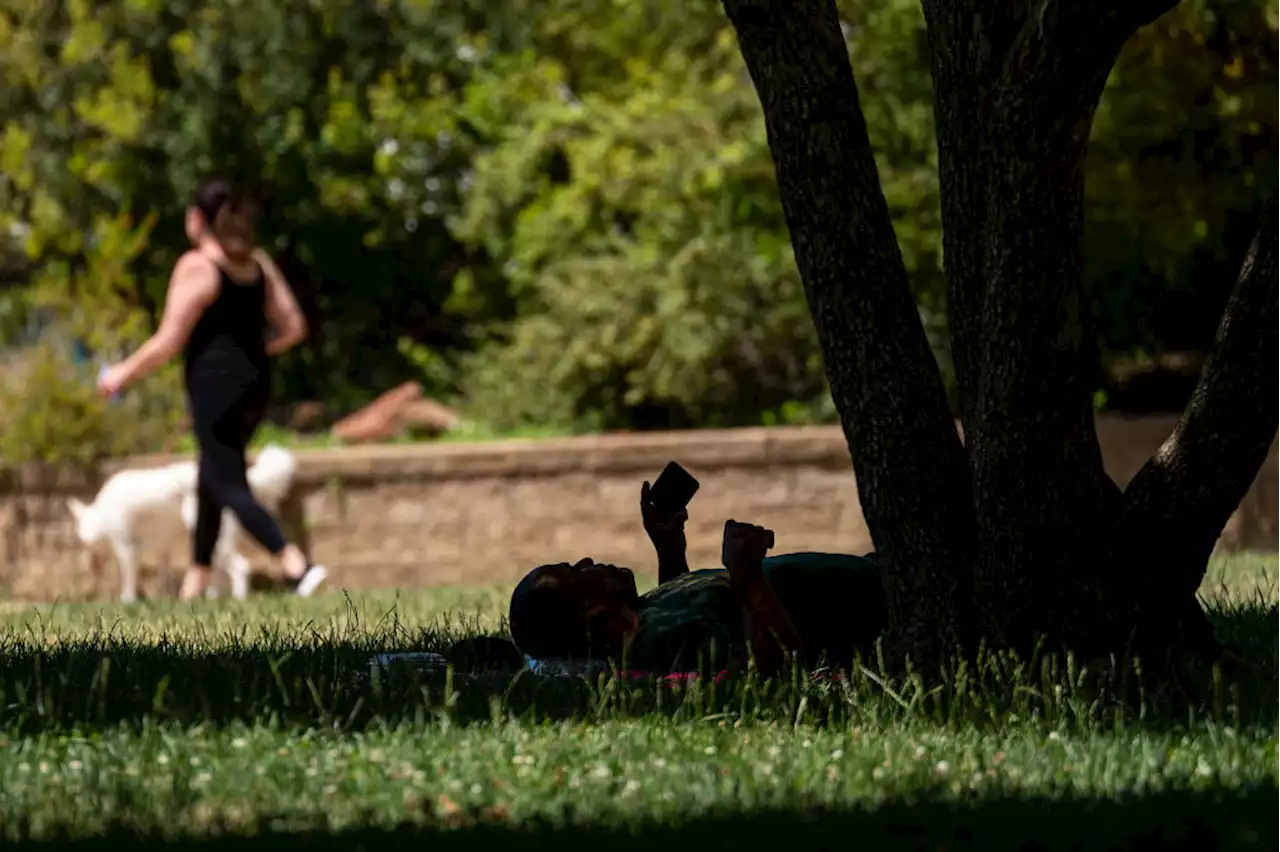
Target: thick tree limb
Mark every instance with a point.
(970, 44)
(967, 52)
(1016, 85)
(1042, 499)
(1178, 504)
(909, 462)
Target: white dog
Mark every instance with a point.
(130, 496)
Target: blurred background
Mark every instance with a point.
(551, 217)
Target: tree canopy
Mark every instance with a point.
(565, 212)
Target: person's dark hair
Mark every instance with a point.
(213, 195)
(546, 616)
(229, 213)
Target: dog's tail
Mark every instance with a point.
(272, 472)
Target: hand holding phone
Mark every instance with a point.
(662, 505)
(672, 490)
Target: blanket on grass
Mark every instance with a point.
(425, 661)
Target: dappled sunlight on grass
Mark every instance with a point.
(464, 609)
(1242, 577)
(264, 718)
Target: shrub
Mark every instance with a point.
(50, 411)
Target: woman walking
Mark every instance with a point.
(224, 296)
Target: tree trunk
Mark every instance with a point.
(1042, 499)
(1021, 532)
(908, 460)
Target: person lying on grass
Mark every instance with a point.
(821, 606)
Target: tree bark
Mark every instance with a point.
(966, 50)
(1017, 85)
(908, 460)
(1020, 532)
(1177, 505)
(969, 45)
(1042, 498)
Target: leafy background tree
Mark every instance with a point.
(560, 215)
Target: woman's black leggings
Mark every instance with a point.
(223, 432)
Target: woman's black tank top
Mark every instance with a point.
(228, 342)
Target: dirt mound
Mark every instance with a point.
(395, 412)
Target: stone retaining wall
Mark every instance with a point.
(409, 515)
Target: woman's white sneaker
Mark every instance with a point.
(310, 581)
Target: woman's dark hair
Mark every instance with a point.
(228, 211)
(212, 196)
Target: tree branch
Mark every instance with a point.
(970, 46)
(910, 466)
(1177, 505)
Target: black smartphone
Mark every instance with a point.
(673, 489)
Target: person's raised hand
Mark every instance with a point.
(745, 546)
(665, 529)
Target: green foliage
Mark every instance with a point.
(435, 373)
(120, 108)
(647, 275)
(51, 411)
(50, 405)
(50, 416)
(1181, 159)
(569, 205)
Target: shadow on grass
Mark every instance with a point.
(1223, 820)
(313, 680)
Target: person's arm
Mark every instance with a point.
(667, 534)
(192, 287)
(770, 633)
(288, 325)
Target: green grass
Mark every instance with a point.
(261, 723)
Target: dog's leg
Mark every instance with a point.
(231, 561)
(127, 558)
(238, 567)
(92, 566)
(212, 591)
(223, 563)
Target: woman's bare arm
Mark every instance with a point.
(192, 287)
(286, 319)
